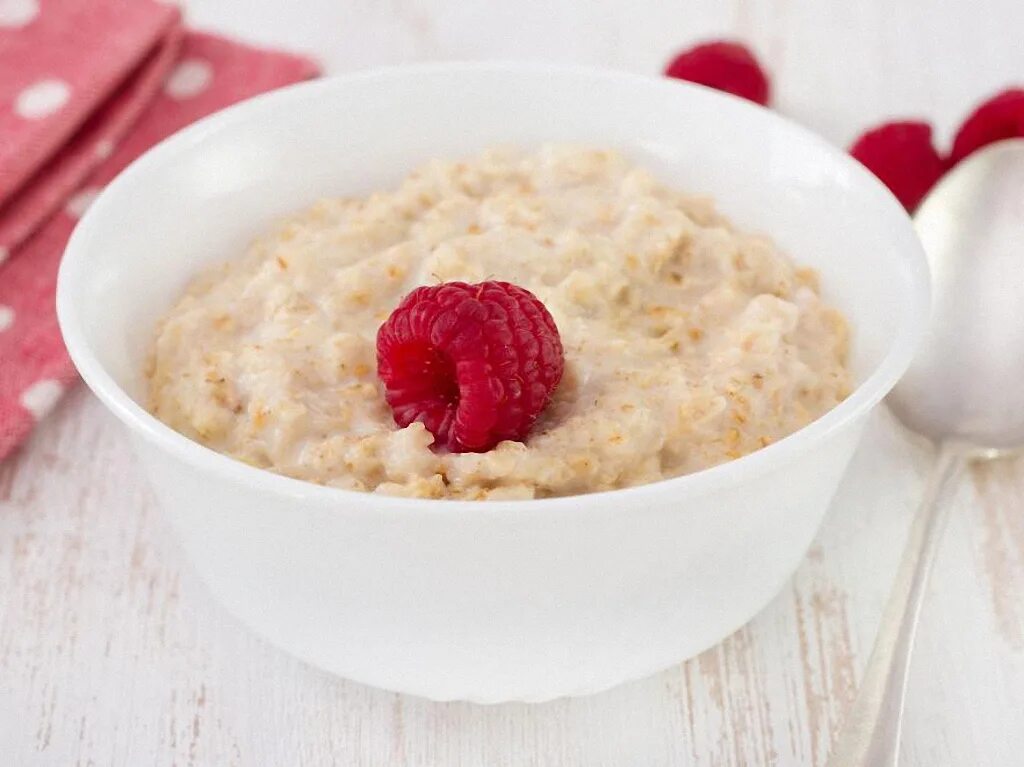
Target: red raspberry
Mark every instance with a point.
(475, 363)
(1000, 117)
(727, 66)
(902, 155)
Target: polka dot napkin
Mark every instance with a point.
(85, 87)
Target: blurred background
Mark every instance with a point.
(837, 66)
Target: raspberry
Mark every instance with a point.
(1000, 117)
(902, 155)
(475, 363)
(727, 66)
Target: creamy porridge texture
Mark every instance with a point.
(687, 343)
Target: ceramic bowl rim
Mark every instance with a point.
(866, 395)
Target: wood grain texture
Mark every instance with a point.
(111, 653)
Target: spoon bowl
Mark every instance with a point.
(967, 380)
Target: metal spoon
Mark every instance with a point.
(965, 390)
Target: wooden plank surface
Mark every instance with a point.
(112, 654)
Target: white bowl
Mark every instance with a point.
(488, 601)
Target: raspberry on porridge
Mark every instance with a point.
(475, 364)
(686, 343)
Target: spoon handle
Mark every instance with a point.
(870, 736)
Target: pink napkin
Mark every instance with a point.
(85, 87)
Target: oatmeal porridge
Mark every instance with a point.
(687, 343)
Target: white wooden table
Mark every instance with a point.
(112, 654)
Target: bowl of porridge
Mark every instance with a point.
(729, 297)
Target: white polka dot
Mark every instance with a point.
(40, 397)
(18, 13)
(189, 78)
(42, 99)
(6, 317)
(4, 253)
(80, 201)
(104, 148)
